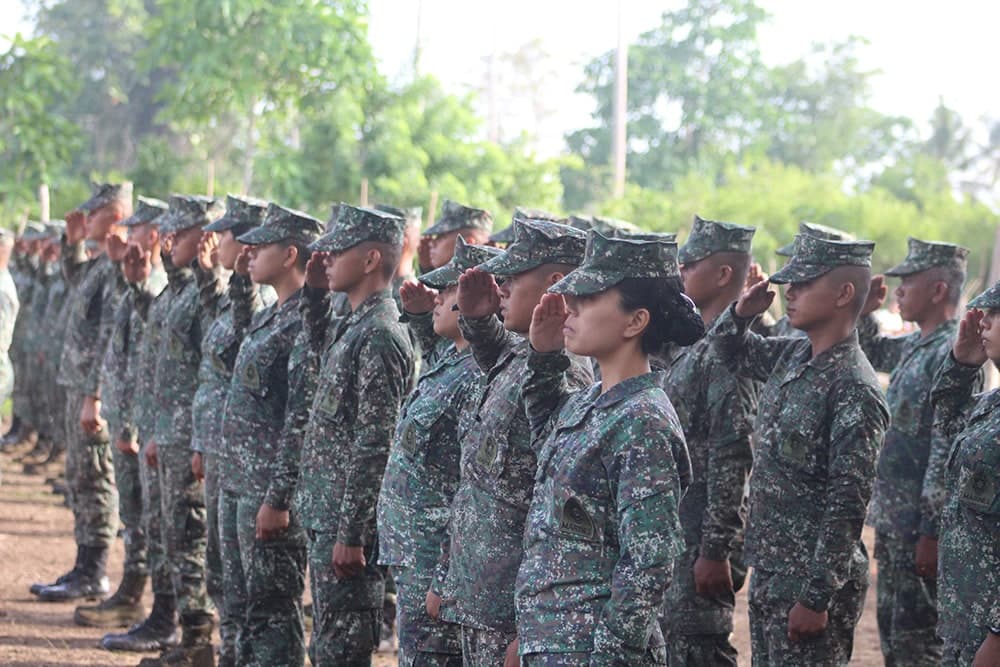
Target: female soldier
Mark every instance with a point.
(603, 528)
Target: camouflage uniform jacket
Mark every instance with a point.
(179, 357)
(118, 366)
(819, 427)
(498, 472)
(365, 374)
(154, 317)
(56, 314)
(909, 486)
(255, 410)
(422, 474)
(716, 410)
(219, 347)
(969, 568)
(91, 317)
(35, 324)
(603, 527)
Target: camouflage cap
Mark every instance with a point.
(356, 225)
(708, 237)
(55, 228)
(284, 224)
(455, 216)
(538, 242)
(923, 255)
(187, 211)
(147, 211)
(466, 256)
(669, 237)
(815, 257)
(584, 222)
(820, 232)
(987, 300)
(506, 235)
(240, 212)
(612, 227)
(331, 222)
(33, 231)
(413, 216)
(103, 194)
(609, 261)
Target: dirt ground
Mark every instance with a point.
(36, 543)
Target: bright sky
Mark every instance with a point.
(925, 49)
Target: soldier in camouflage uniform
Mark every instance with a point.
(271, 542)
(498, 459)
(423, 469)
(969, 566)
(182, 495)
(150, 303)
(716, 410)
(906, 502)
(367, 365)
(821, 421)
(220, 287)
(767, 326)
(603, 527)
(89, 470)
(472, 224)
(125, 607)
(25, 269)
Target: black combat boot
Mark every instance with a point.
(37, 587)
(195, 649)
(89, 581)
(156, 633)
(121, 610)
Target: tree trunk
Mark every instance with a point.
(251, 149)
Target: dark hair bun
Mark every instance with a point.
(673, 317)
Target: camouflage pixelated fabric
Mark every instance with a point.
(103, 194)
(609, 261)
(33, 231)
(988, 299)
(240, 212)
(708, 237)
(538, 242)
(148, 210)
(413, 215)
(969, 546)
(187, 211)
(602, 529)
(466, 256)
(820, 232)
(820, 424)
(357, 225)
(815, 257)
(506, 235)
(613, 227)
(455, 216)
(284, 224)
(669, 237)
(923, 255)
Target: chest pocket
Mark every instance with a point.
(498, 419)
(577, 515)
(429, 435)
(799, 440)
(980, 488)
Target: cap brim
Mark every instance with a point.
(584, 282)
(505, 265)
(987, 300)
(439, 227)
(786, 250)
(799, 272)
(442, 277)
(222, 224)
(904, 268)
(261, 236)
(331, 242)
(686, 255)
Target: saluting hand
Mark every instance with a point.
(316, 271)
(76, 221)
(242, 264)
(968, 348)
(117, 246)
(208, 251)
(137, 264)
(424, 254)
(754, 275)
(755, 300)
(478, 294)
(547, 320)
(417, 297)
(877, 292)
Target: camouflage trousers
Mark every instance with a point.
(961, 652)
(55, 407)
(130, 506)
(347, 613)
(272, 633)
(907, 606)
(423, 641)
(485, 648)
(773, 595)
(234, 583)
(214, 581)
(90, 477)
(184, 534)
(152, 524)
(697, 628)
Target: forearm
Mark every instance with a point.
(487, 338)
(545, 389)
(883, 352)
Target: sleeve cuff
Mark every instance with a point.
(815, 598)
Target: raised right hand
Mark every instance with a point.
(755, 300)
(417, 297)
(316, 271)
(117, 247)
(208, 251)
(968, 348)
(478, 294)
(424, 254)
(76, 226)
(547, 319)
(137, 264)
(877, 293)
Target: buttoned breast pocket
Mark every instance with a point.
(799, 439)
(424, 431)
(577, 514)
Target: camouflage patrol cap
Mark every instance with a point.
(612, 227)
(187, 211)
(538, 242)
(33, 231)
(815, 257)
(584, 222)
(331, 222)
(148, 210)
(506, 235)
(987, 300)
(708, 237)
(55, 228)
(819, 231)
(411, 215)
(923, 255)
(103, 194)
(669, 237)
(240, 212)
(284, 224)
(455, 216)
(609, 261)
(466, 256)
(356, 224)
